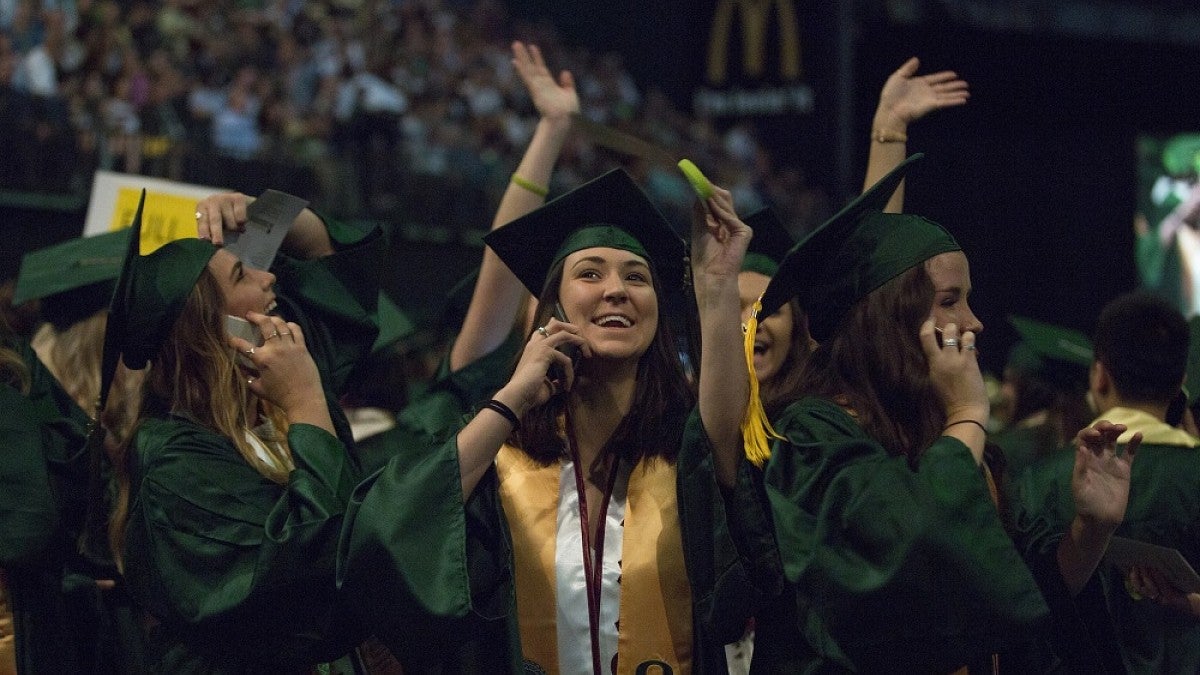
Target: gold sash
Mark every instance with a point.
(655, 625)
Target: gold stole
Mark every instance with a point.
(655, 624)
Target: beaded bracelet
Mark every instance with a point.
(975, 422)
(533, 187)
(505, 412)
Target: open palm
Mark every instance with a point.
(909, 97)
(552, 98)
(1100, 479)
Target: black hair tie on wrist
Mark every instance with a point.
(975, 422)
(505, 412)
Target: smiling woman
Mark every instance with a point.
(576, 469)
(232, 488)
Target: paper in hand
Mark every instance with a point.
(268, 220)
(1126, 553)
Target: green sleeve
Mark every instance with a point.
(729, 546)
(431, 574)
(28, 514)
(892, 561)
(229, 561)
(1081, 631)
(334, 300)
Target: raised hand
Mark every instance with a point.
(719, 237)
(554, 99)
(530, 385)
(1100, 479)
(284, 372)
(220, 212)
(907, 97)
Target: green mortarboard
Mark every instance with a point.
(609, 211)
(853, 253)
(1051, 352)
(394, 324)
(1181, 155)
(148, 299)
(770, 243)
(74, 279)
(1191, 379)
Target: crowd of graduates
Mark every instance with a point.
(735, 453)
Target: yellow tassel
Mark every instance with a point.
(756, 428)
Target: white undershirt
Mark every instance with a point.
(574, 631)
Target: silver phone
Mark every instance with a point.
(239, 327)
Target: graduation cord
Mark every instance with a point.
(593, 568)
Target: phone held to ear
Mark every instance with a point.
(572, 351)
(239, 327)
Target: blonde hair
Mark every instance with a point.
(195, 374)
(73, 356)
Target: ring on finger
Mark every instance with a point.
(969, 348)
(274, 335)
(542, 331)
(950, 342)
(250, 352)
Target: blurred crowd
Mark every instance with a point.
(408, 109)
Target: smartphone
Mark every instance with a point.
(239, 327)
(572, 351)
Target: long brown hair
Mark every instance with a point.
(195, 375)
(661, 399)
(873, 364)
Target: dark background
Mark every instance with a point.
(1036, 176)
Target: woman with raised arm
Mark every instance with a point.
(567, 475)
(492, 331)
(892, 549)
(232, 489)
(781, 346)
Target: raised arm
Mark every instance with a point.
(719, 241)
(529, 387)
(1100, 487)
(307, 239)
(904, 99)
(498, 294)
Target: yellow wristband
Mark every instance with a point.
(530, 185)
(881, 136)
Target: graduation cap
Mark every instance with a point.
(1052, 352)
(853, 253)
(770, 243)
(610, 211)
(149, 297)
(74, 279)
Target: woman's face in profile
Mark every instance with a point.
(951, 277)
(245, 288)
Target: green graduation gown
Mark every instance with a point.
(440, 410)
(885, 566)
(234, 572)
(1164, 509)
(433, 576)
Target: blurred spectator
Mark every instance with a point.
(404, 110)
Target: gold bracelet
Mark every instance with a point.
(881, 136)
(530, 185)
